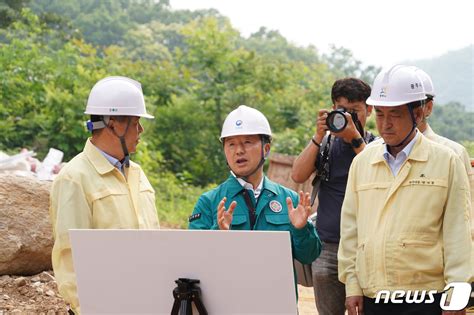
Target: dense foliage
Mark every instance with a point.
(194, 68)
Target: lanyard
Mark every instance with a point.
(251, 208)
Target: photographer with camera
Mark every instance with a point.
(330, 155)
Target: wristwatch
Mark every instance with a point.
(357, 142)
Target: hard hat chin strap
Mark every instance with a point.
(126, 159)
(262, 161)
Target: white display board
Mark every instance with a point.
(134, 271)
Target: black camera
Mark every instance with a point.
(336, 121)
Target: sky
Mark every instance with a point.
(378, 33)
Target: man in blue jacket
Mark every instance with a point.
(248, 200)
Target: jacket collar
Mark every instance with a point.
(270, 186)
(234, 187)
(429, 133)
(418, 152)
(100, 163)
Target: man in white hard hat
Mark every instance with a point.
(101, 188)
(405, 216)
(248, 200)
(425, 127)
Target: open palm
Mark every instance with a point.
(224, 218)
(299, 215)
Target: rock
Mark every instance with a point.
(19, 282)
(26, 239)
(4, 297)
(50, 293)
(4, 279)
(35, 279)
(7, 306)
(46, 277)
(23, 290)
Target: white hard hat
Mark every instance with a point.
(427, 83)
(117, 96)
(245, 120)
(397, 86)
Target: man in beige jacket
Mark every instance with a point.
(100, 188)
(406, 213)
(425, 127)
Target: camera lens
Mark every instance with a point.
(336, 121)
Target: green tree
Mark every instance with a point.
(10, 11)
(106, 22)
(272, 44)
(453, 121)
(194, 68)
(342, 62)
(44, 86)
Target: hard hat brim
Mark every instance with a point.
(373, 102)
(233, 134)
(147, 116)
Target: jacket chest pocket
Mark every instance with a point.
(278, 222)
(371, 197)
(421, 195)
(371, 187)
(239, 222)
(147, 208)
(111, 209)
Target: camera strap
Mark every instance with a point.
(324, 153)
(324, 162)
(360, 129)
(316, 184)
(369, 137)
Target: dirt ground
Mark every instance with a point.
(306, 304)
(38, 295)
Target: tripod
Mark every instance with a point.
(184, 294)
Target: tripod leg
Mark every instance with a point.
(199, 305)
(175, 309)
